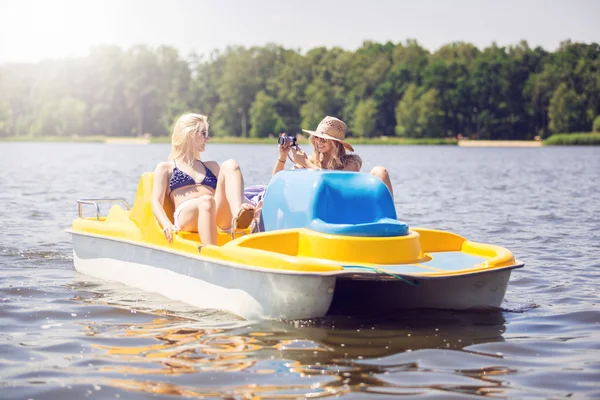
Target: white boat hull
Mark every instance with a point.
(252, 293)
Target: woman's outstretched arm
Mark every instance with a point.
(279, 164)
(159, 190)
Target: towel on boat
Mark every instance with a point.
(254, 195)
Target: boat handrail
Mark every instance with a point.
(94, 202)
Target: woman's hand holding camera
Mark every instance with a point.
(287, 144)
(284, 150)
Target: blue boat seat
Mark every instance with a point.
(333, 202)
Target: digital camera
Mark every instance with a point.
(287, 139)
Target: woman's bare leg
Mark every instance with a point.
(200, 216)
(382, 174)
(229, 194)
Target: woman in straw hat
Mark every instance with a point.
(329, 152)
(205, 195)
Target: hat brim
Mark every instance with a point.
(346, 145)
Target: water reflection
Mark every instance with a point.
(181, 349)
(353, 336)
(397, 354)
(228, 363)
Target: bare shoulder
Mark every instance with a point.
(163, 167)
(213, 166)
(161, 178)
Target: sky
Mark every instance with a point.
(32, 30)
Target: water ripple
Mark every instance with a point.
(65, 335)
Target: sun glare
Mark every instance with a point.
(31, 30)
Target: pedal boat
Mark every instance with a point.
(329, 237)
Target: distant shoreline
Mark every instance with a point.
(227, 140)
(127, 140)
(585, 139)
(500, 143)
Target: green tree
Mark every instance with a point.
(328, 85)
(565, 110)
(451, 80)
(365, 121)
(407, 113)
(321, 99)
(72, 116)
(577, 65)
(143, 90)
(523, 62)
(287, 86)
(430, 115)
(408, 61)
(5, 118)
(101, 83)
(496, 92)
(67, 117)
(240, 82)
(264, 118)
(16, 81)
(206, 76)
(419, 116)
(540, 88)
(175, 83)
(366, 70)
(46, 124)
(489, 92)
(596, 125)
(225, 121)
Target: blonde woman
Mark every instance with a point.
(329, 152)
(205, 195)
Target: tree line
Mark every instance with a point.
(388, 89)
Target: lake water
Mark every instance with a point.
(64, 335)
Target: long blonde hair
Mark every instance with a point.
(185, 131)
(338, 160)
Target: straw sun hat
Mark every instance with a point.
(332, 129)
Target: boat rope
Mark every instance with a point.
(385, 272)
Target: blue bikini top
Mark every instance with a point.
(181, 179)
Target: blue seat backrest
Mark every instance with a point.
(337, 202)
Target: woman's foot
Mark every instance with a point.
(244, 217)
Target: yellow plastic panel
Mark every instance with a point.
(268, 259)
(356, 250)
(122, 229)
(499, 256)
(433, 240)
(284, 242)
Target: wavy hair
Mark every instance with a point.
(185, 131)
(339, 159)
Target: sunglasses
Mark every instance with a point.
(204, 134)
(320, 139)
